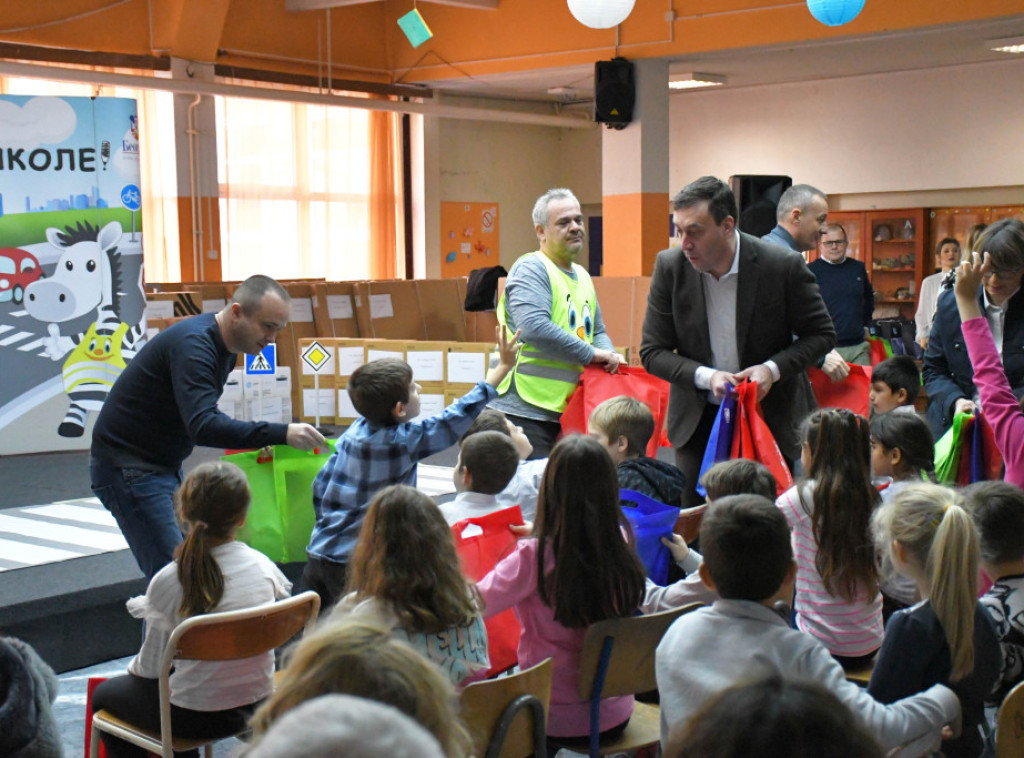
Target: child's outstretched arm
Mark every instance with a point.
(998, 402)
(508, 350)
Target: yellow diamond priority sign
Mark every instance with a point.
(316, 356)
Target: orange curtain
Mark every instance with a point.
(387, 235)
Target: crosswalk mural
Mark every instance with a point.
(39, 534)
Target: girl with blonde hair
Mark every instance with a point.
(404, 573)
(364, 659)
(211, 572)
(947, 638)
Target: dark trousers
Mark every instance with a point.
(137, 701)
(325, 578)
(690, 455)
(542, 434)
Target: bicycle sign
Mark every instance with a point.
(131, 198)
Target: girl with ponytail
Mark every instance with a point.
(211, 573)
(947, 638)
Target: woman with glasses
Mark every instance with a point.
(947, 372)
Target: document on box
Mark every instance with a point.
(427, 365)
(340, 306)
(467, 368)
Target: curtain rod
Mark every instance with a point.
(202, 87)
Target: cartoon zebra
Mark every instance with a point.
(88, 276)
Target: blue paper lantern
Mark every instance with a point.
(835, 12)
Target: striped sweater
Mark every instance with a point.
(846, 629)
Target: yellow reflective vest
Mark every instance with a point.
(544, 379)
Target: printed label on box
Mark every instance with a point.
(309, 400)
(160, 309)
(345, 407)
(375, 355)
(340, 306)
(380, 306)
(467, 368)
(349, 359)
(302, 310)
(427, 365)
(430, 405)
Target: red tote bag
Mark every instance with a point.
(754, 440)
(852, 393)
(597, 385)
(480, 550)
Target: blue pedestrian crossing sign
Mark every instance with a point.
(264, 362)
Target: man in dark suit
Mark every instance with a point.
(725, 306)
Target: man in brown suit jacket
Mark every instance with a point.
(724, 306)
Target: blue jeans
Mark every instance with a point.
(143, 505)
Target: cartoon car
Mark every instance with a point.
(18, 269)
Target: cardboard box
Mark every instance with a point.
(334, 310)
(441, 307)
(173, 304)
(388, 310)
(480, 325)
(377, 349)
(215, 295)
(328, 370)
(328, 399)
(300, 325)
(432, 402)
(350, 354)
(346, 412)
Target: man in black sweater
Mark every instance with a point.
(165, 403)
(847, 294)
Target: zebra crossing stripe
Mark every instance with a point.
(15, 338)
(31, 345)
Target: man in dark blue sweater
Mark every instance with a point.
(165, 402)
(847, 294)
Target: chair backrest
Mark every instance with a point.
(483, 705)
(243, 633)
(628, 644)
(1010, 727)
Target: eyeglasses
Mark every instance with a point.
(1003, 274)
(833, 243)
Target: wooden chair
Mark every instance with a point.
(490, 709)
(618, 659)
(231, 635)
(1010, 725)
(688, 524)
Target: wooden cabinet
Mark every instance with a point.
(891, 244)
(957, 222)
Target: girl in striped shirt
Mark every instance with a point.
(837, 594)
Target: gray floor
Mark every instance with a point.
(69, 708)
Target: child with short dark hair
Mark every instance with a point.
(895, 384)
(624, 425)
(381, 448)
(525, 484)
(997, 509)
(748, 559)
(487, 462)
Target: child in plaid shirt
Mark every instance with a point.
(382, 448)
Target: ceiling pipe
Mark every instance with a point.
(193, 87)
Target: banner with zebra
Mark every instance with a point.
(71, 295)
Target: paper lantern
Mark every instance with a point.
(601, 14)
(835, 12)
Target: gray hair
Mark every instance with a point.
(355, 727)
(798, 196)
(540, 208)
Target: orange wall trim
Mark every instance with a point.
(211, 268)
(636, 228)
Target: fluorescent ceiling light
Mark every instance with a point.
(694, 80)
(1006, 45)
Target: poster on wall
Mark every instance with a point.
(469, 237)
(71, 296)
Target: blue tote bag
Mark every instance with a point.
(650, 521)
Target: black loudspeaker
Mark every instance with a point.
(614, 92)
(758, 196)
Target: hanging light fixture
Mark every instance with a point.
(835, 12)
(601, 14)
